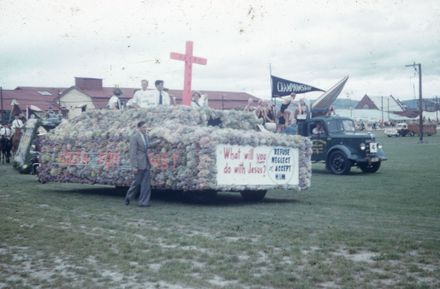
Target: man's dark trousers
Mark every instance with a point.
(142, 182)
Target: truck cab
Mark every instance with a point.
(401, 129)
(337, 143)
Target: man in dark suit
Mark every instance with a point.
(139, 143)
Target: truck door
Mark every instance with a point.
(318, 135)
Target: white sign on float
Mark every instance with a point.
(262, 165)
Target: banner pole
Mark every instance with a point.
(270, 76)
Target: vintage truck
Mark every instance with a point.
(401, 129)
(411, 129)
(196, 150)
(340, 146)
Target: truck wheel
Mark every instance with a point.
(338, 163)
(253, 196)
(369, 168)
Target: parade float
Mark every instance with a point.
(196, 150)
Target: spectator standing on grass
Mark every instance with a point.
(5, 131)
(140, 163)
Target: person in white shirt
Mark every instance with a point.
(130, 103)
(161, 97)
(172, 98)
(114, 102)
(318, 129)
(198, 100)
(17, 123)
(5, 143)
(5, 131)
(143, 97)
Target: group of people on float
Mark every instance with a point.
(143, 97)
(289, 113)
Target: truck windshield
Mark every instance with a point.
(339, 125)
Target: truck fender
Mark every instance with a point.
(341, 148)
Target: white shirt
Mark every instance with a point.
(201, 102)
(130, 102)
(5, 131)
(17, 123)
(114, 102)
(196, 103)
(165, 97)
(143, 98)
(317, 131)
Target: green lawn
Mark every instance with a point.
(358, 231)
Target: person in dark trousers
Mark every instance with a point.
(139, 143)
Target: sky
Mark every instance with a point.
(48, 43)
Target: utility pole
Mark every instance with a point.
(418, 67)
(388, 102)
(381, 101)
(437, 107)
(1, 104)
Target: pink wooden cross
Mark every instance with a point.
(189, 60)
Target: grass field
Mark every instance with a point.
(357, 231)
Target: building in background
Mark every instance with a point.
(89, 93)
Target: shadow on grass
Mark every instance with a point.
(98, 191)
(222, 199)
(177, 197)
(323, 172)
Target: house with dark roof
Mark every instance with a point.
(382, 103)
(24, 97)
(366, 103)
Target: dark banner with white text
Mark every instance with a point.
(282, 87)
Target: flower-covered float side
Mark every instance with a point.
(196, 149)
